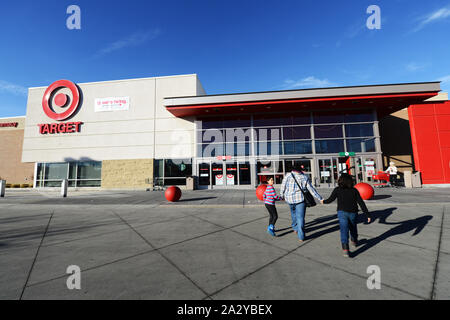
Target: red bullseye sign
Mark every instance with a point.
(61, 99)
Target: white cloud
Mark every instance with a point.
(445, 83)
(412, 67)
(308, 82)
(133, 40)
(445, 79)
(437, 15)
(12, 88)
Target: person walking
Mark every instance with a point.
(392, 170)
(292, 194)
(348, 199)
(269, 197)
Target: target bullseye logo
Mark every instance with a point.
(60, 100)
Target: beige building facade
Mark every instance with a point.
(118, 130)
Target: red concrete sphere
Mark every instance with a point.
(365, 190)
(260, 191)
(172, 194)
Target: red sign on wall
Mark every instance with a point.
(60, 100)
(9, 124)
(67, 127)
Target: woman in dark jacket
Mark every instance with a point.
(347, 210)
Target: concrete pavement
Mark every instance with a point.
(213, 245)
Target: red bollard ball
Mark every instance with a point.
(365, 190)
(172, 194)
(260, 191)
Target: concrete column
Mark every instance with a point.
(64, 185)
(2, 188)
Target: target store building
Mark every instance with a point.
(140, 133)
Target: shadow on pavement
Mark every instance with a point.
(401, 227)
(328, 224)
(196, 199)
(380, 197)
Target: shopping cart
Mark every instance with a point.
(381, 179)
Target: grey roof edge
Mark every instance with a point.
(125, 80)
(419, 87)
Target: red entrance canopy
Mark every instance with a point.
(385, 98)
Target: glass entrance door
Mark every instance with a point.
(304, 164)
(204, 174)
(244, 173)
(232, 174)
(326, 172)
(217, 174)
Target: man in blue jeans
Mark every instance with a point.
(292, 194)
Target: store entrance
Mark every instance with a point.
(223, 174)
(277, 169)
(362, 168)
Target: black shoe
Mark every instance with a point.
(345, 250)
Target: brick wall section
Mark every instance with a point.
(127, 174)
(11, 167)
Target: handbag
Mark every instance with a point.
(309, 199)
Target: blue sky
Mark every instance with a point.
(234, 46)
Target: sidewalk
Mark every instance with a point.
(214, 198)
(214, 245)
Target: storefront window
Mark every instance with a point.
(361, 145)
(55, 171)
(301, 118)
(270, 169)
(210, 123)
(268, 134)
(210, 150)
(359, 116)
(237, 122)
(286, 134)
(328, 117)
(172, 171)
(334, 131)
(212, 136)
(268, 148)
(298, 147)
(177, 168)
(329, 146)
(237, 149)
(359, 130)
(159, 168)
(296, 133)
(271, 120)
(89, 183)
(79, 174)
(89, 171)
(304, 164)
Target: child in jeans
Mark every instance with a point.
(347, 210)
(269, 197)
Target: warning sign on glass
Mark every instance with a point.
(112, 104)
(230, 179)
(219, 180)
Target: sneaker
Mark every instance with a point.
(345, 253)
(271, 232)
(354, 243)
